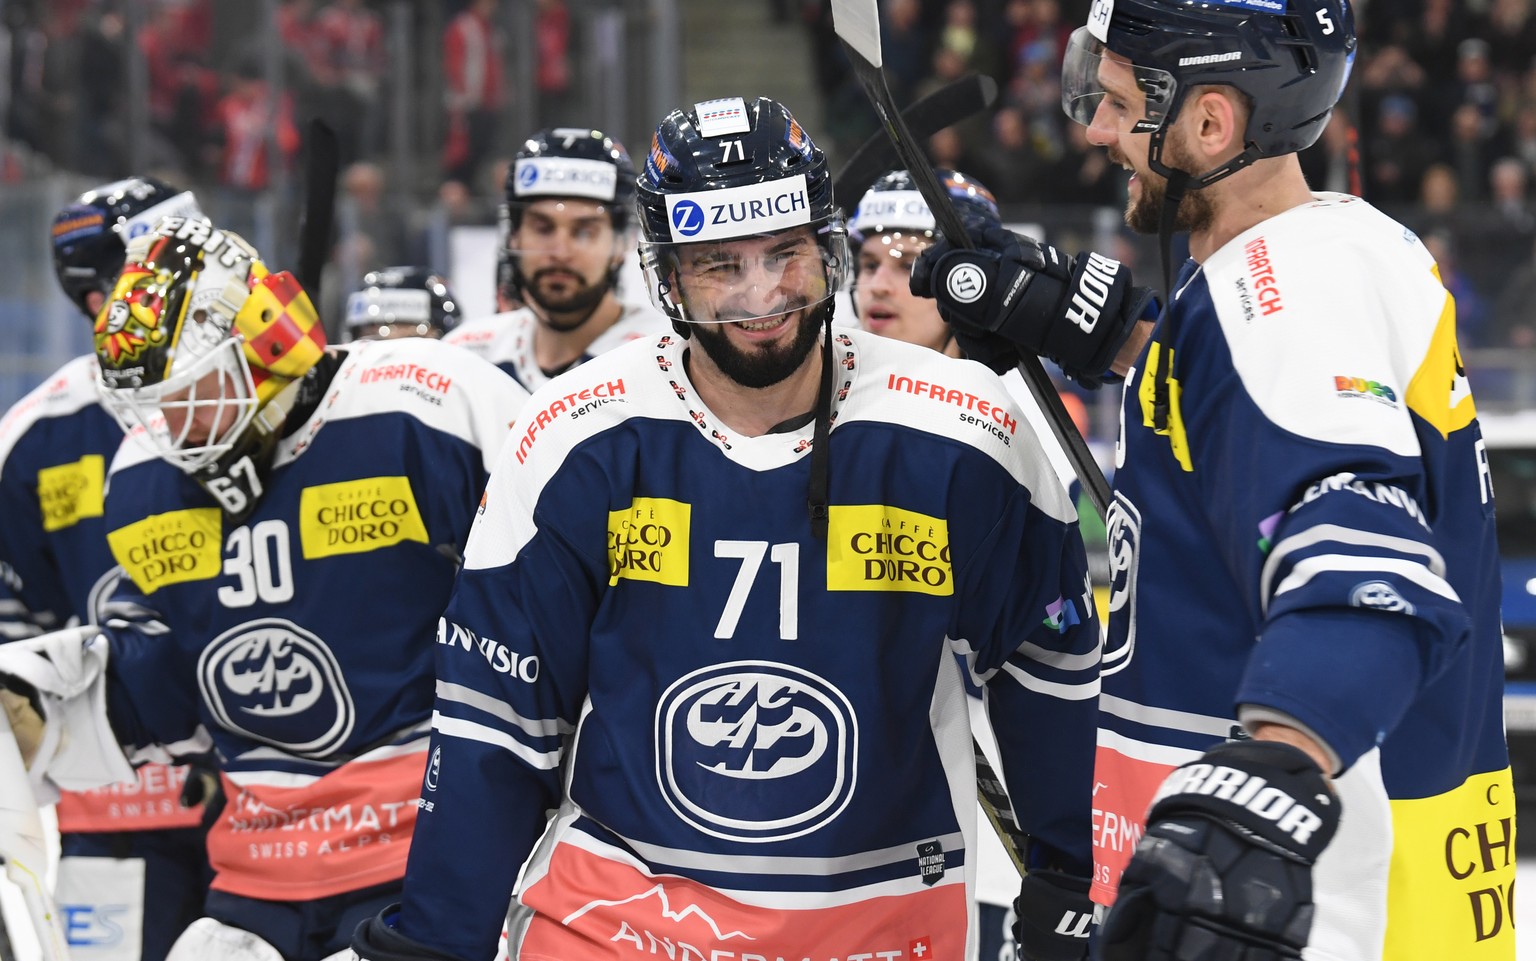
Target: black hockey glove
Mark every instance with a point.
(1224, 871)
(377, 940)
(1052, 917)
(1030, 294)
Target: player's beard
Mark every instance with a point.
(1144, 213)
(574, 309)
(764, 365)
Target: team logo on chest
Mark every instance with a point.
(755, 751)
(1124, 535)
(275, 682)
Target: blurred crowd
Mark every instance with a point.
(1438, 125)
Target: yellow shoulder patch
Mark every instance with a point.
(170, 548)
(876, 547)
(69, 493)
(1439, 391)
(353, 517)
(1146, 393)
(649, 542)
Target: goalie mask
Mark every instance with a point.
(201, 349)
(736, 215)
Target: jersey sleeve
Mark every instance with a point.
(511, 665)
(152, 685)
(1318, 479)
(1029, 632)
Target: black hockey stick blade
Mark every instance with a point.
(320, 172)
(857, 25)
(948, 105)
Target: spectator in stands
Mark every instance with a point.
(1514, 320)
(472, 87)
(1511, 36)
(351, 39)
(1398, 153)
(1331, 163)
(251, 121)
(552, 44)
(1471, 306)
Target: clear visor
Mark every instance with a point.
(194, 417)
(747, 278)
(1104, 91)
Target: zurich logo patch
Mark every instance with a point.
(528, 176)
(275, 682)
(687, 218)
(755, 750)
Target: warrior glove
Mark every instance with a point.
(1224, 871)
(1012, 293)
(1052, 917)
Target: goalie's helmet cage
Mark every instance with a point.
(91, 234)
(1291, 58)
(731, 169)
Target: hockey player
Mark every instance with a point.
(401, 302)
(1304, 673)
(566, 230)
(289, 519)
(134, 871)
(727, 630)
(890, 227)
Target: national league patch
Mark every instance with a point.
(721, 118)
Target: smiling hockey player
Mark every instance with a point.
(726, 630)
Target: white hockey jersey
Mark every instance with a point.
(506, 339)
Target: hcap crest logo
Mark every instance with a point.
(131, 320)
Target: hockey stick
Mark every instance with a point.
(857, 25)
(948, 105)
(320, 170)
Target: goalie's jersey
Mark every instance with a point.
(55, 568)
(506, 339)
(298, 644)
(762, 736)
(1304, 522)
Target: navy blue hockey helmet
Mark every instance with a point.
(572, 162)
(401, 302)
(893, 204)
(558, 163)
(1291, 58)
(91, 234)
(726, 170)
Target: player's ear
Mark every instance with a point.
(1217, 119)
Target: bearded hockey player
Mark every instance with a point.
(133, 872)
(289, 520)
(736, 573)
(1303, 686)
(566, 228)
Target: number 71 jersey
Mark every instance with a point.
(757, 736)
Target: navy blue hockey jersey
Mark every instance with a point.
(298, 644)
(758, 741)
(56, 569)
(1303, 522)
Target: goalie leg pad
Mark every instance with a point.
(208, 940)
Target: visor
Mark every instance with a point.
(747, 278)
(1139, 97)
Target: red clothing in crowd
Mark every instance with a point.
(245, 115)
